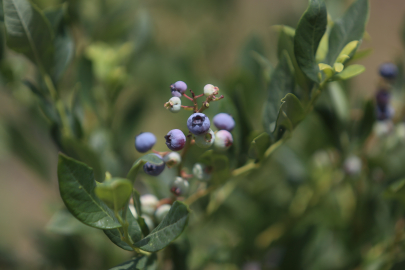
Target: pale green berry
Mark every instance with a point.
(133, 210)
(172, 159)
(161, 212)
(205, 140)
(174, 104)
(149, 203)
(149, 222)
(209, 89)
(179, 186)
(202, 172)
(223, 140)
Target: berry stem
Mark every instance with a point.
(188, 108)
(199, 96)
(194, 101)
(184, 95)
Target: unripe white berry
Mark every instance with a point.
(161, 212)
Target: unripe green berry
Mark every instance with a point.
(161, 212)
(209, 89)
(172, 159)
(179, 187)
(173, 105)
(149, 203)
(202, 172)
(205, 140)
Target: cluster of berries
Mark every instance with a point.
(384, 110)
(200, 134)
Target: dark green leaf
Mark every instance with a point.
(133, 229)
(259, 146)
(168, 230)
(139, 263)
(29, 32)
(115, 192)
(308, 34)
(281, 83)
(1, 11)
(140, 162)
(350, 27)
(290, 115)
(76, 185)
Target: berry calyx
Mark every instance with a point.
(224, 121)
(198, 123)
(144, 142)
(175, 139)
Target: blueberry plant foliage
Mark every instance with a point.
(314, 60)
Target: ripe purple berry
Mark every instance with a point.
(385, 113)
(144, 142)
(388, 70)
(175, 139)
(224, 121)
(153, 169)
(178, 88)
(223, 140)
(198, 123)
(382, 98)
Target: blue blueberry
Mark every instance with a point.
(178, 88)
(382, 99)
(175, 139)
(153, 169)
(224, 121)
(198, 123)
(388, 70)
(144, 142)
(385, 113)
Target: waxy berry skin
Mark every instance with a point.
(205, 140)
(149, 203)
(172, 159)
(153, 169)
(144, 142)
(209, 89)
(388, 70)
(224, 121)
(198, 123)
(175, 139)
(223, 140)
(178, 88)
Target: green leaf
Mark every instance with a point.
(360, 54)
(76, 185)
(1, 11)
(309, 33)
(140, 162)
(29, 32)
(347, 29)
(115, 192)
(286, 45)
(281, 83)
(139, 263)
(259, 146)
(290, 115)
(168, 230)
(396, 190)
(133, 229)
(350, 72)
(339, 100)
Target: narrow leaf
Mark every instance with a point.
(168, 230)
(349, 28)
(309, 33)
(139, 263)
(76, 185)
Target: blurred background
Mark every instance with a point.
(130, 52)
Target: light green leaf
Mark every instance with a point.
(360, 54)
(339, 100)
(115, 192)
(168, 230)
(281, 83)
(29, 32)
(76, 185)
(347, 29)
(309, 33)
(259, 146)
(140, 162)
(350, 72)
(133, 229)
(139, 263)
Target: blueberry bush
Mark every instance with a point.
(274, 168)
